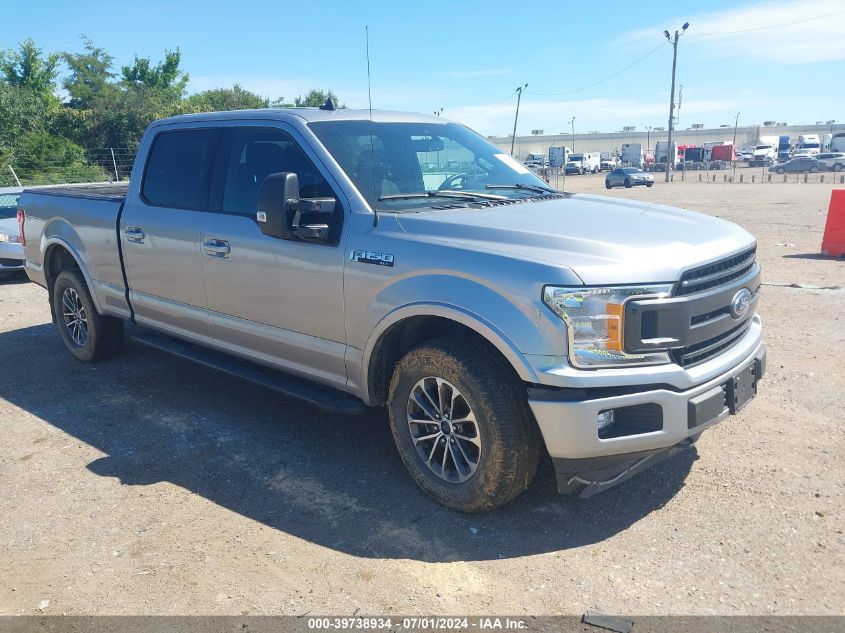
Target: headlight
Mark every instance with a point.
(594, 320)
(5, 237)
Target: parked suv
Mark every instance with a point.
(355, 259)
(831, 161)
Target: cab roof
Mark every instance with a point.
(307, 115)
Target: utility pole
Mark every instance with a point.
(736, 124)
(516, 118)
(648, 139)
(672, 95)
(572, 122)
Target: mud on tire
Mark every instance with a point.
(509, 440)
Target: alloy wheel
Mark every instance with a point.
(444, 429)
(74, 315)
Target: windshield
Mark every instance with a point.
(631, 170)
(386, 160)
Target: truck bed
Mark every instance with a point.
(113, 191)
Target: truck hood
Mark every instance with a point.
(603, 240)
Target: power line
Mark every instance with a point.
(601, 81)
(490, 109)
(771, 26)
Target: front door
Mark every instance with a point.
(278, 301)
(160, 232)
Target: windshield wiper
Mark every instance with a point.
(442, 193)
(519, 185)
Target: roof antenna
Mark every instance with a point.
(372, 149)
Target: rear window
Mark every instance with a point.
(179, 168)
(8, 205)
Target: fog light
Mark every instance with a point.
(605, 419)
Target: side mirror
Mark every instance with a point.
(278, 200)
(282, 213)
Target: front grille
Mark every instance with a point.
(10, 262)
(698, 353)
(716, 274)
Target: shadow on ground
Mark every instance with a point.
(333, 480)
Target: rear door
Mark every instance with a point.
(160, 231)
(276, 301)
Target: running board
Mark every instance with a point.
(326, 398)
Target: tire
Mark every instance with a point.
(503, 437)
(780, 170)
(650, 185)
(628, 183)
(97, 337)
(814, 170)
(837, 167)
(607, 184)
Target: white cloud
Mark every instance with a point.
(474, 74)
(788, 32)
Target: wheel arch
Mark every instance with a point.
(60, 255)
(410, 326)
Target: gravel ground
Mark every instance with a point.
(145, 485)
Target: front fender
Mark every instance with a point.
(514, 326)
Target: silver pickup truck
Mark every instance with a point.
(358, 259)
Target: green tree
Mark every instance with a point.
(166, 75)
(90, 75)
(42, 158)
(315, 98)
(221, 99)
(28, 69)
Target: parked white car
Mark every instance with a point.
(11, 250)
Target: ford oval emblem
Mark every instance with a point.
(740, 303)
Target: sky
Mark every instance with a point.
(607, 64)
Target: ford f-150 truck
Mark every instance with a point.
(359, 259)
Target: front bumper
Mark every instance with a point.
(584, 461)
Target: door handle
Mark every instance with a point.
(134, 234)
(216, 248)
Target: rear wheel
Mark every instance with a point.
(607, 184)
(650, 184)
(837, 167)
(781, 170)
(813, 170)
(462, 424)
(88, 335)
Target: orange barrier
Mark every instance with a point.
(833, 242)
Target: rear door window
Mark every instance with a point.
(179, 168)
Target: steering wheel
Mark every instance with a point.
(449, 183)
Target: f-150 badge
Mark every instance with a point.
(371, 257)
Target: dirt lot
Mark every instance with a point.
(148, 485)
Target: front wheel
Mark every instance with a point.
(461, 421)
(88, 335)
(650, 184)
(813, 170)
(837, 167)
(628, 183)
(781, 170)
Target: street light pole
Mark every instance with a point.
(516, 118)
(572, 122)
(672, 95)
(648, 139)
(736, 123)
